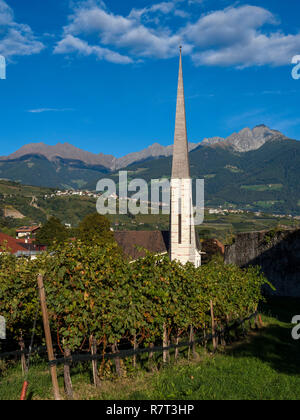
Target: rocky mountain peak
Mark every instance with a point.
(243, 141)
(247, 139)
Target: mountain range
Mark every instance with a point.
(243, 141)
(67, 151)
(255, 168)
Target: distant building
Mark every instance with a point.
(19, 247)
(216, 211)
(135, 242)
(27, 231)
(131, 242)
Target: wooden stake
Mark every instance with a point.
(67, 376)
(204, 336)
(151, 354)
(94, 362)
(213, 326)
(177, 349)
(191, 346)
(117, 359)
(23, 358)
(135, 347)
(151, 360)
(165, 344)
(48, 337)
(223, 340)
(194, 344)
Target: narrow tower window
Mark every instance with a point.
(179, 221)
(191, 207)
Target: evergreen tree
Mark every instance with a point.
(52, 231)
(95, 229)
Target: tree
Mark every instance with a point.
(95, 229)
(52, 231)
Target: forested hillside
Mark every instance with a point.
(263, 179)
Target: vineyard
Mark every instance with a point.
(100, 302)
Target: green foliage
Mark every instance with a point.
(247, 180)
(265, 366)
(18, 294)
(271, 235)
(95, 229)
(273, 171)
(72, 209)
(52, 231)
(61, 173)
(93, 290)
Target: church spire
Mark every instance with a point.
(182, 230)
(181, 166)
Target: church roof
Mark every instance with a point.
(154, 241)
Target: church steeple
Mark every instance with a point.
(182, 230)
(181, 166)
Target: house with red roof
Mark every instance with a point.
(27, 231)
(19, 247)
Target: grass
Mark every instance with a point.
(264, 366)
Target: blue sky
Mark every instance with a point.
(102, 75)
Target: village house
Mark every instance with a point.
(27, 231)
(23, 247)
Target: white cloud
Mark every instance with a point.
(73, 44)
(238, 36)
(234, 37)
(6, 14)
(16, 39)
(128, 33)
(227, 27)
(165, 7)
(276, 49)
(181, 13)
(42, 110)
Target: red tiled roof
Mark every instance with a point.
(30, 244)
(25, 229)
(10, 243)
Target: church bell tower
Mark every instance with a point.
(182, 229)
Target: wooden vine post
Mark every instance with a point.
(48, 337)
(213, 326)
(117, 359)
(67, 375)
(93, 344)
(165, 344)
(135, 347)
(177, 349)
(192, 346)
(23, 358)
